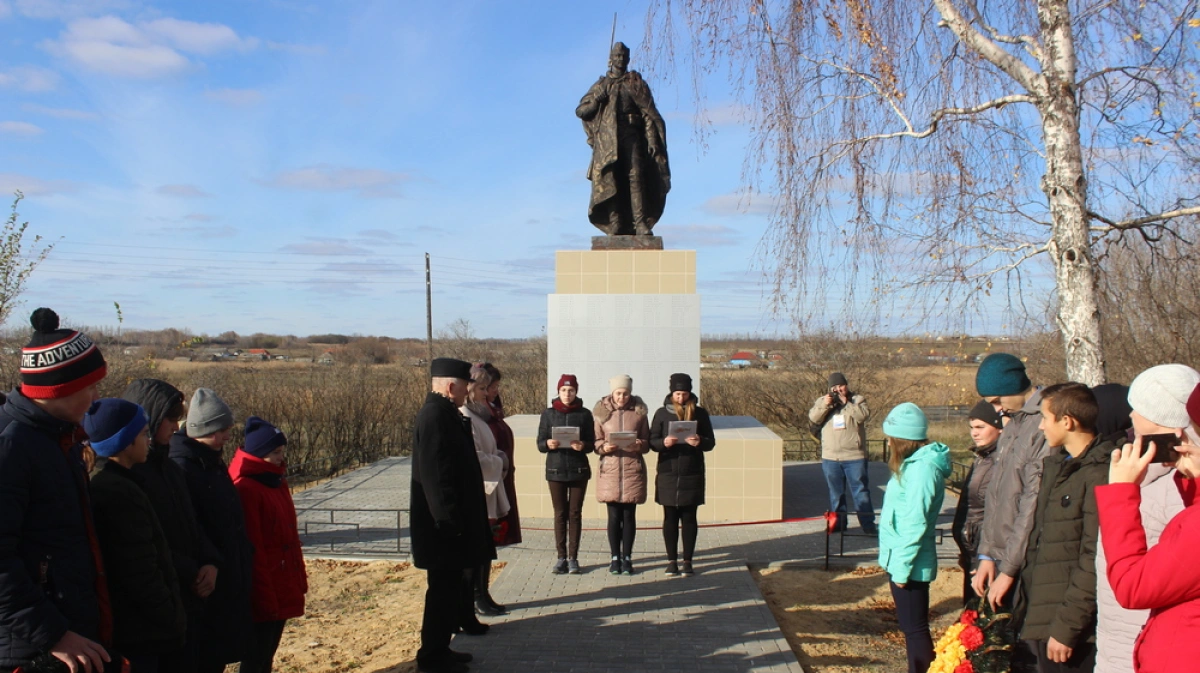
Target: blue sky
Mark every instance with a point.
(283, 165)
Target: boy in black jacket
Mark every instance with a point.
(53, 598)
(148, 615)
(1057, 600)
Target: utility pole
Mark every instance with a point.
(428, 310)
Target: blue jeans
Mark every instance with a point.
(837, 474)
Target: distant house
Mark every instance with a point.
(739, 363)
(744, 355)
(256, 354)
(326, 358)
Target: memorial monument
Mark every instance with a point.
(627, 306)
(629, 170)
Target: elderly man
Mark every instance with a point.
(449, 515)
(842, 416)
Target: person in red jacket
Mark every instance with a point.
(279, 579)
(1164, 578)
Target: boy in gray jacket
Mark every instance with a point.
(1012, 494)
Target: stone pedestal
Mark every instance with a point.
(630, 312)
(627, 243)
(744, 475)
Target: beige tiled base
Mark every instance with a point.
(744, 475)
(625, 272)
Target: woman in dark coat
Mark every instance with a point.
(166, 486)
(567, 469)
(679, 486)
(510, 524)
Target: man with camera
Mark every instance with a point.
(839, 419)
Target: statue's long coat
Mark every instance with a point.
(601, 131)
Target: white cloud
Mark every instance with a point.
(333, 247)
(207, 231)
(113, 46)
(198, 38)
(367, 182)
(59, 113)
(199, 217)
(298, 49)
(236, 97)
(698, 235)
(31, 186)
(183, 191)
(29, 78)
(5, 9)
(20, 128)
(741, 203)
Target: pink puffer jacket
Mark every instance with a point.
(622, 475)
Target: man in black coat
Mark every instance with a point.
(53, 593)
(449, 514)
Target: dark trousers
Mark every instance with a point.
(209, 664)
(1083, 658)
(264, 640)
(622, 527)
(186, 658)
(567, 498)
(675, 518)
(912, 611)
(443, 610)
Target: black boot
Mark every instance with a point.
(484, 604)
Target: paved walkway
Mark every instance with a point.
(714, 621)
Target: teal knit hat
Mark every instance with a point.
(1001, 374)
(906, 421)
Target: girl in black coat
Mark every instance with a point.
(567, 469)
(679, 486)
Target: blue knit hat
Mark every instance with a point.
(1001, 374)
(906, 421)
(113, 424)
(262, 438)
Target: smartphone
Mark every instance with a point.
(1164, 446)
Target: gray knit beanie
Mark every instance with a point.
(621, 381)
(1160, 394)
(207, 414)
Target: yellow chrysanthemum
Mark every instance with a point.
(949, 650)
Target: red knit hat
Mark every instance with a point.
(58, 362)
(568, 380)
(1193, 405)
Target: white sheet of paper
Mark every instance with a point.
(565, 434)
(622, 439)
(839, 421)
(681, 430)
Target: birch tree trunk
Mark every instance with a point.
(1065, 186)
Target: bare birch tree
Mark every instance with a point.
(936, 150)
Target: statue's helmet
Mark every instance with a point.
(619, 48)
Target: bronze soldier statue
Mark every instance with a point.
(629, 170)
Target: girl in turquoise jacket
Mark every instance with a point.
(911, 504)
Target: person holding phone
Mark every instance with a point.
(1164, 578)
(567, 468)
(679, 485)
(1117, 628)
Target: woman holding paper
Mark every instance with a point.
(622, 436)
(681, 432)
(566, 435)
